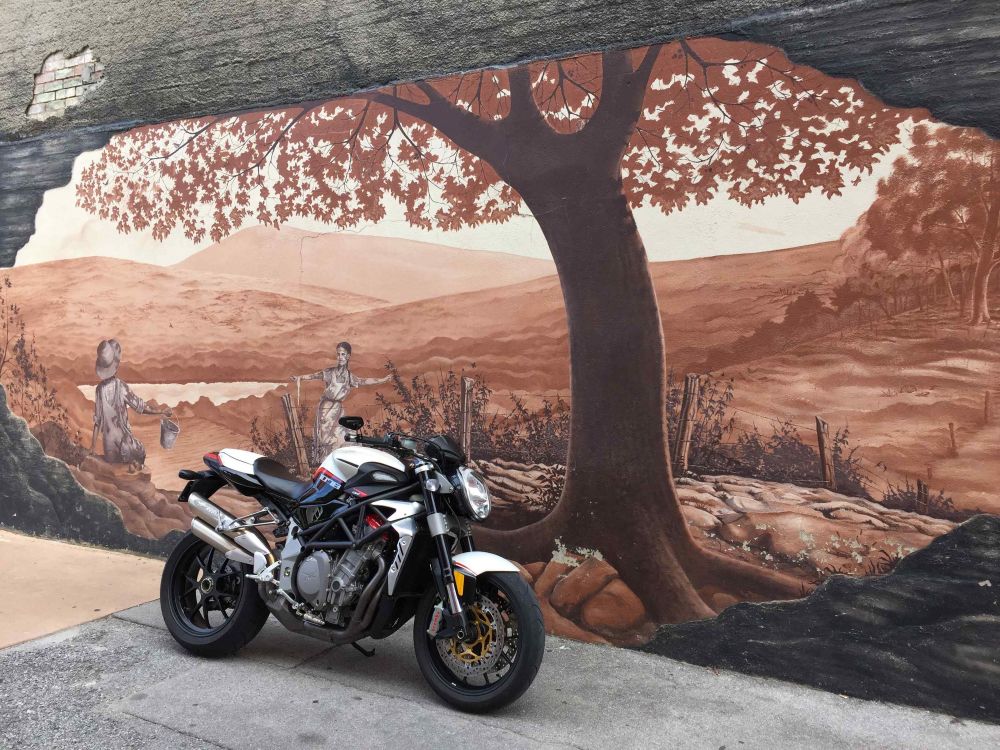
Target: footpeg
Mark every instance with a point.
(314, 619)
(363, 650)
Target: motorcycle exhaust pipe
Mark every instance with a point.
(213, 517)
(223, 544)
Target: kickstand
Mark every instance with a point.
(363, 650)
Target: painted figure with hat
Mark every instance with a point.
(111, 404)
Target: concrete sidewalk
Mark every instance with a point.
(122, 682)
(48, 585)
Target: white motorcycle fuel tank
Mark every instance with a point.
(343, 463)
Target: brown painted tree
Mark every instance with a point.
(580, 143)
(942, 201)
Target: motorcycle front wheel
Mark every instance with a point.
(501, 659)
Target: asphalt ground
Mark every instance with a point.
(122, 682)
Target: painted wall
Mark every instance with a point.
(576, 236)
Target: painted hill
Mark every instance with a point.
(897, 388)
(388, 268)
(517, 334)
(188, 324)
(157, 313)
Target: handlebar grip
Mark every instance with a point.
(382, 442)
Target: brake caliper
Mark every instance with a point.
(436, 619)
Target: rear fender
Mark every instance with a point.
(205, 483)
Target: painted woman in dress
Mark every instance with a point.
(327, 433)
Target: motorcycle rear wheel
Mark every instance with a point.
(499, 665)
(207, 605)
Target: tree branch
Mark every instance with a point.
(951, 227)
(434, 96)
(522, 104)
(280, 137)
(645, 68)
(408, 106)
(622, 91)
(461, 127)
(194, 135)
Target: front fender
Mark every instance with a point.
(476, 563)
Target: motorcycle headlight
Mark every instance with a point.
(475, 492)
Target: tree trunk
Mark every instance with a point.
(980, 292)
(988, 246)
(985, 265)
(884, 304)
(619, 495)
(963, 294)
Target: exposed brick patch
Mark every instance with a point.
(64, 82)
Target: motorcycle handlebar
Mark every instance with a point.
(389, 441)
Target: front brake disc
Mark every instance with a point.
(482, 652)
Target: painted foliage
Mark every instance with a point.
(671, 424)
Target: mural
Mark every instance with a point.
(716, 327)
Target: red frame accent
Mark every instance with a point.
(374, 523)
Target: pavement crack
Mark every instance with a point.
(477, 721)
(189, 735)
(543, 743)
(117, 616)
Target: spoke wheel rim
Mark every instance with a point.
(207, 589)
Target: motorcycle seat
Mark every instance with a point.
(276, 477)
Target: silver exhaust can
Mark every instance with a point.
(222, 524)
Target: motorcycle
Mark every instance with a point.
(380, 535)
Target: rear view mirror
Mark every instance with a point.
(352, 423)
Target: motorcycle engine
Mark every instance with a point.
(330, 585)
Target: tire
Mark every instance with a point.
(518, 601)
(199, 621)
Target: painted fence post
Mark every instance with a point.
(825, 454)
(295, 430)
(689, 405)
(923, 497)
(465, 416)
(952, 443)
